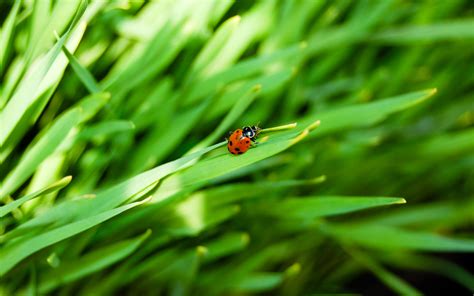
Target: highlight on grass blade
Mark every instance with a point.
(18, 202)
(279, 128)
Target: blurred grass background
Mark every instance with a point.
(128, 98)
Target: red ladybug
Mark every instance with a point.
(241, 139)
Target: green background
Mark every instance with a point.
(115, 178)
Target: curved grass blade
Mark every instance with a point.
(12, 254)
(107, 199)
(51, 188)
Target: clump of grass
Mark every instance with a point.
(114, 178)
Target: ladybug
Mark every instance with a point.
(240, 140)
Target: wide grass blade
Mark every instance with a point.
(133, 188)
(11, 254)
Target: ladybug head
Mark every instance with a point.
(250, 131)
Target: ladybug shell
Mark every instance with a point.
(236, 144)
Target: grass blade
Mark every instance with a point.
(367, 114)
(309, 208)
(8, 29)
(394, 282)
(44, 146)
(18, 202)
(452, 30)
(90, 263)
(84, 75)
(392, 238)
(13, 253)
(107, 199)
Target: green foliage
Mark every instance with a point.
(115, 178)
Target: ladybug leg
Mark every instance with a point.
(254, 142)
(228, 136)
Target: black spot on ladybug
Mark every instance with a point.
(230, 143)
(247, 141)
(240, 153)
(237, 149)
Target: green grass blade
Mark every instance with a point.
(367, 114)
(434, 215)
(241, 70)
(447, 145)
(107, 199)
(91, 262)
(37, 86)
(84, 75)
(18, 202)
(394, 282)
(432, 264)
(105, 128)
(38, 37)
(225, 245)
(44, 146)
(147, 153)
(453, 30)
(213, 46)
(320, 206)
(92, 104)
(25, 94)
(392, 238)
(224, 194)
(8, 28)
(257, 282)
(12, 254)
